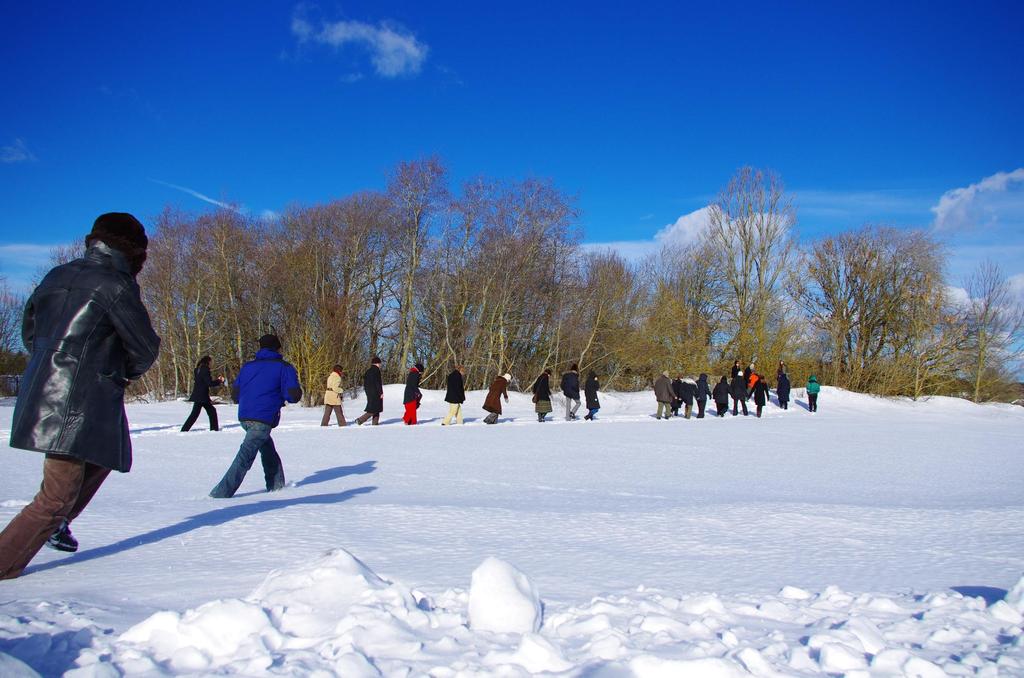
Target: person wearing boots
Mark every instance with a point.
(89, 336)
(455, 395)
(738, 391)
(760, 394)
(497, 391)
(333, 397)
(677, 395)
(703, 393)
(813, 388)
(782, 388)
(542, 395)
(200, 396)
(261, 389)
(721, 396)
(689, 392)
(373, 388)
(664, 395)
(413, 396)
(590, 389)
(571, 391)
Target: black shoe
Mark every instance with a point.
(63, 540)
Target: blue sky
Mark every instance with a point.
(871, 112)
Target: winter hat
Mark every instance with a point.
(124, 233)
(270, 341)
(419, 367)
(665, 373)
(507, 377)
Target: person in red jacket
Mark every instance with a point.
(412, 394)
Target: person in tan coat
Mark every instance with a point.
(492, 403)
(332, 398)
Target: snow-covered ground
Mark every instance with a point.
(876, 536)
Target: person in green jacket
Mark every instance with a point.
(812, 393)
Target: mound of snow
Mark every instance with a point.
(15, 668)
(1015, 597)
(502, 599)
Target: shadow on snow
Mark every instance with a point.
(210, 518)
(327, 474)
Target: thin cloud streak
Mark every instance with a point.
(16, 152)
(201, 196)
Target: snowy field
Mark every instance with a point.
(876, 537)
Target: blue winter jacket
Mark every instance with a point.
(262, 387)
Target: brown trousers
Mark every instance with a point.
(338, 413)
(68, 486)
(366, 415)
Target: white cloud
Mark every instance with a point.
(16, 152)
(968, 207)
(631, 250)
(394, 51)
(1016, 285)
(957, 296)
(686, 230)
(201, 196)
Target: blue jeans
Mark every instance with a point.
(257, 439)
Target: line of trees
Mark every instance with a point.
(494, 277)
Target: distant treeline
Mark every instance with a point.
(493, 276)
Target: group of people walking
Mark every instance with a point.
(672, 395)
(455, 395)
(89, 336)
(740, 386)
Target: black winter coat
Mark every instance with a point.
(703, 391)
(373, 386)
(590, 391)
(738, 388)
(412, 387)
(734, 371)
(677, 389)
(204, 381)
(571, 385)
(542, 388)
(456, 392)
(721, 392)
(782, 388)
(689, 392)
(760, 392)
(89, 336)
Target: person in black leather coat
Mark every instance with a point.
(89, 336)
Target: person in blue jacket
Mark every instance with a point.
(261, 389)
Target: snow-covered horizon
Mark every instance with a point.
(876, 535)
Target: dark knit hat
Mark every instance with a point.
(419, 367)
(270, 341)
(124, 233)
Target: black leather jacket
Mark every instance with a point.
(88, 335)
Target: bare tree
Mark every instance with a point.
(750, 246)
(417, 191)
(995, 327)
